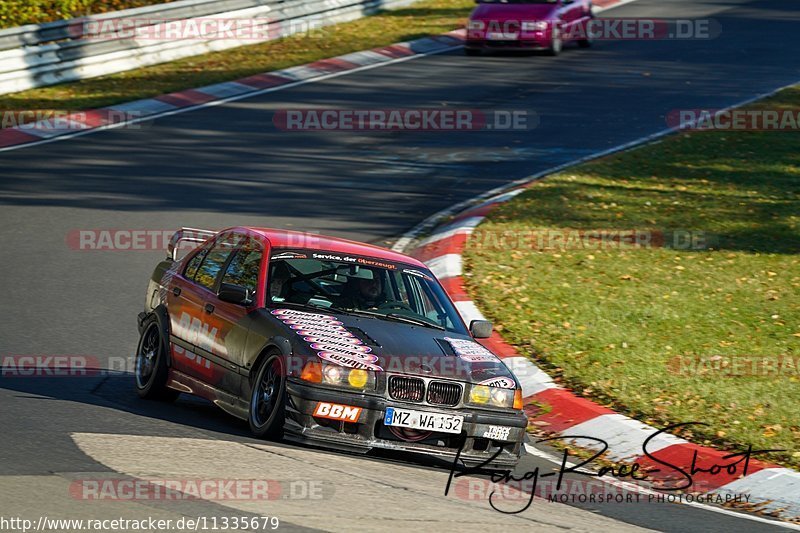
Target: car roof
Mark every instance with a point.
(281, 238)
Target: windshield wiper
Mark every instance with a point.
(309, 305)
(412, 320)
(396, 317)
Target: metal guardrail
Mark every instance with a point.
(69, 50)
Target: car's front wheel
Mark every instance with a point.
(150, 367)
(268, 399)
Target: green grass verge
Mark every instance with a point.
(608, 322)
(428, 17)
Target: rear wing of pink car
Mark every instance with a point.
(187, 235)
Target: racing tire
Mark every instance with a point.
(150, 366)
(472, 51)
(556, 43)
(267, 411)
(589, 40)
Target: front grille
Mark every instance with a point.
(444, 393)
(406, 389)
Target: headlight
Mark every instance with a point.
(480, 394)
(494, 396)
(535, 25)
(326, 374)
(475, 25)
(358, 378)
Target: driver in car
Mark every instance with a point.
(364, 292)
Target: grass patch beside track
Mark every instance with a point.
(428, 17)
(612, 321)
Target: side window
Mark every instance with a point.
(243, 268)
(214, 260)
(194, 264)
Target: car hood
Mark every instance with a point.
(391, 347)
(513, 12)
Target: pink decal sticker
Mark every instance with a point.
(332, 340)
(313, 322)
(339, 338)
(501, 382)
(471, 351)
(332, 346)
(344, 360)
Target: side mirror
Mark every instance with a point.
(235, 294)
(480, 329)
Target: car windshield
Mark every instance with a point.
(360, 285)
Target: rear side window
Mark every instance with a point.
(243, 268)
(214, 260)
(194, 264)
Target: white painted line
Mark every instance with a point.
(442, 235)
(775, 485)
(445, 266)
(367, 57)
(149, 107)
(445, 232)
(223, 90)
(468, 311)
(298, 73)
(468, 223)
(624, 436)
(532, 378)
(427, 44)
(48, 128)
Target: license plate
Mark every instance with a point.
(499, 36)
(406, 418)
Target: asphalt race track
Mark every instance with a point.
(229, 165)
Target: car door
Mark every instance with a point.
(194, 329)
(246, 268)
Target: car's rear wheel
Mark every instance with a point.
(556, 42)
(472, 51)
(150, 366)
(268, 399)
(589, 39)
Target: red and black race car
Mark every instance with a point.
(328, 341)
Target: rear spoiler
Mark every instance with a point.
(187, 235)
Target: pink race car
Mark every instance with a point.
(528, 25)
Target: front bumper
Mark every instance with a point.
(516, 39)
(369, 432)
(507, 44)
